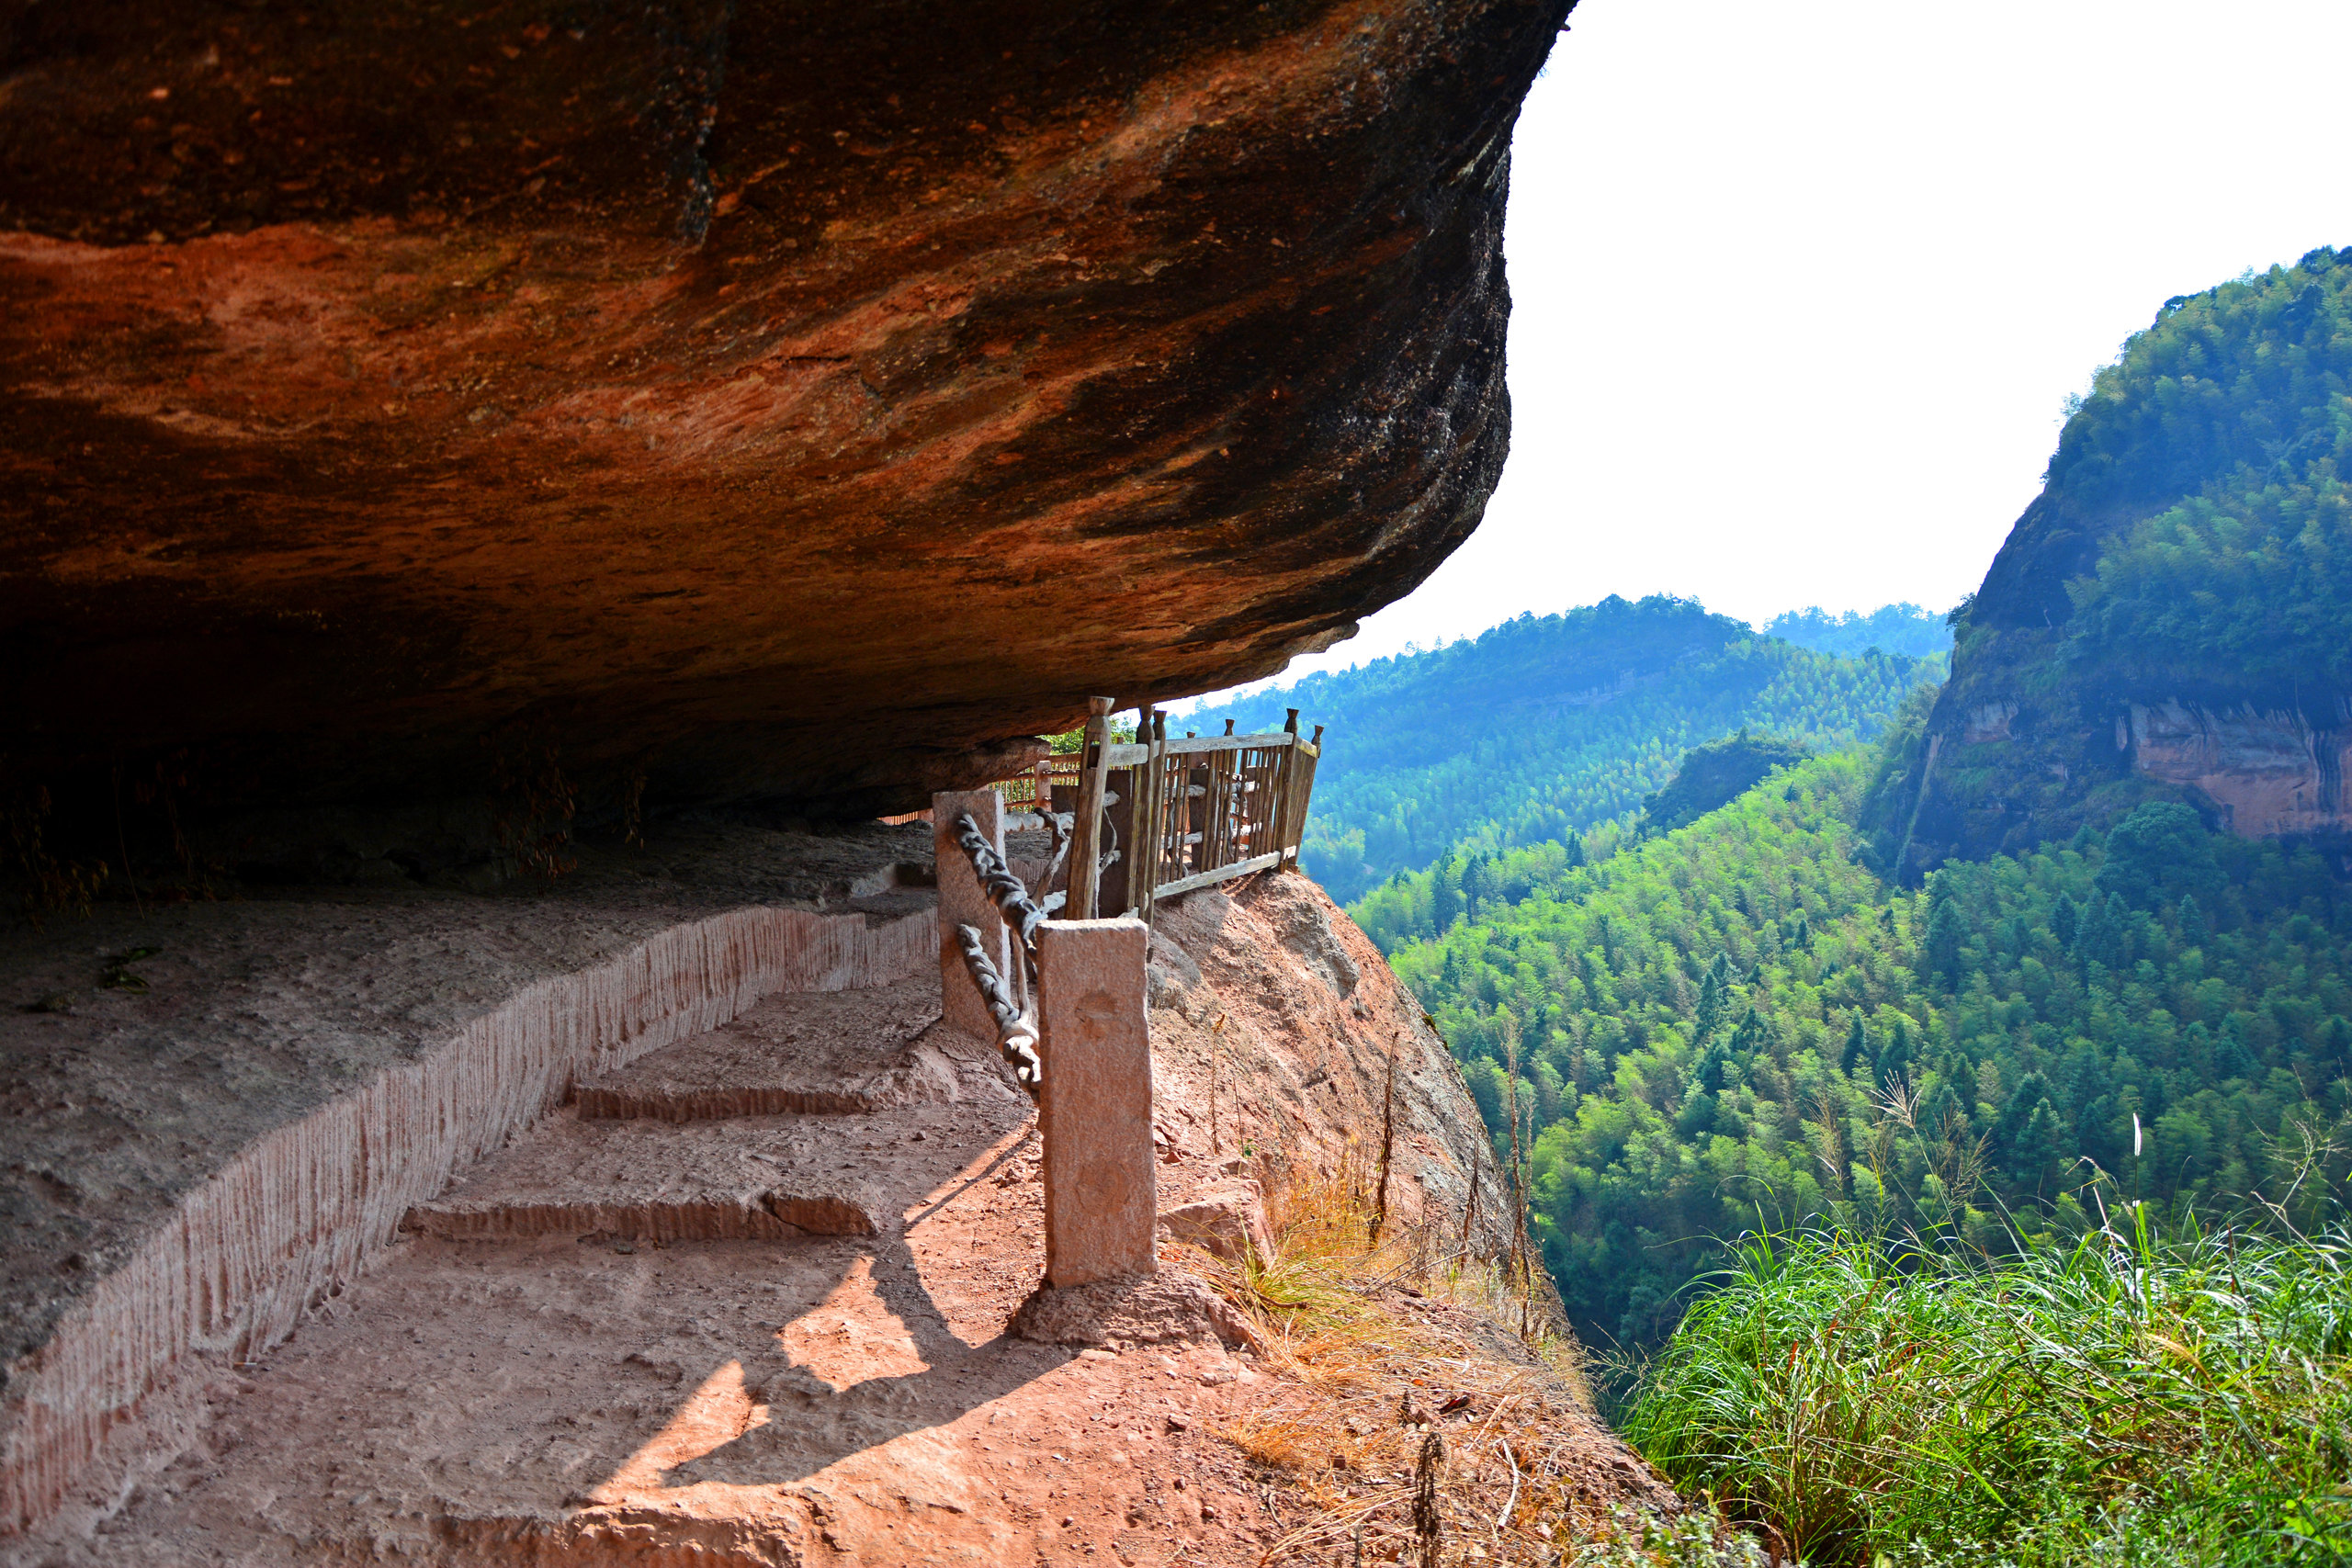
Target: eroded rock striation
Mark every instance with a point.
(705, 403)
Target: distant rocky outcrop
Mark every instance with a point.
(1715, 774)
(685, 403)
(2169, 619)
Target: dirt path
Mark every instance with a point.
(744, 1302)
(615, 1366)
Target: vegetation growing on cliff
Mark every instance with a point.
(2237, 407)
(1545, 728)
(1738, 1021)
(1715, 774)
(2193, 541)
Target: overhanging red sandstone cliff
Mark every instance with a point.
(730, 401)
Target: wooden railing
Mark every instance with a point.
(1035, 790)
(1158, 817)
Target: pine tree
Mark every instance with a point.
(2232, 1058)
(1857, 1047)
(1757, 1035)
(2100, 938)
(2032, 1089)
(1711, 1002)
(2192, 919)
(2336, 1048)
(2040, 1145)
(1445, 892)
(1947, 930)
(1895, 1057)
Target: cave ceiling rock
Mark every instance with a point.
(748, 402)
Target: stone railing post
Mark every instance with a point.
(962, 901)
(1101, 1206)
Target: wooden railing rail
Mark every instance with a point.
(1033, 789)
(1157, 816)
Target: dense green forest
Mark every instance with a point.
(2239, 396)
(2030, 1166)
(1543, 729)
(1892, 628)
(1736, 1023)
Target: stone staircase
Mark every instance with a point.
(653, 1327)
(739, 1134)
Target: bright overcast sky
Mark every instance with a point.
(1799, 290)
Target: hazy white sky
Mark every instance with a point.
(1799, 289)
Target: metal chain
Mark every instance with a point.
(1014, 1035)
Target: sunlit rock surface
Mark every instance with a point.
(800, 402)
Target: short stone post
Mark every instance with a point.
(1101, 1206)
(963, 902)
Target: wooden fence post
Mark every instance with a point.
(1095, 1108)
(1284, 777)
(962, 901)
(1304, 757)
(1153, 838)
(1086, 837)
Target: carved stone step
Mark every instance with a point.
(774, 1214)
(747, 1177)
(820, 1051)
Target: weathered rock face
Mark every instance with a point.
(2264, 773)
(795, 402)
(2018, 751)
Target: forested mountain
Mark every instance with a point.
(1737, 1022)
(2001, 1017)
(1891, 628)
(2172, 617)
(1543, 728)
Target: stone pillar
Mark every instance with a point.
(1102, 1207)
(962, 902)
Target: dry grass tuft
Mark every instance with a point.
(1383, 1345)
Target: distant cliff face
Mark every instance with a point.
(750, 401)
(2267, 773)
(2173, 616)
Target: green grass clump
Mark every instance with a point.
(2123, 1401)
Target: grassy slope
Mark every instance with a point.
(2123, 1401)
